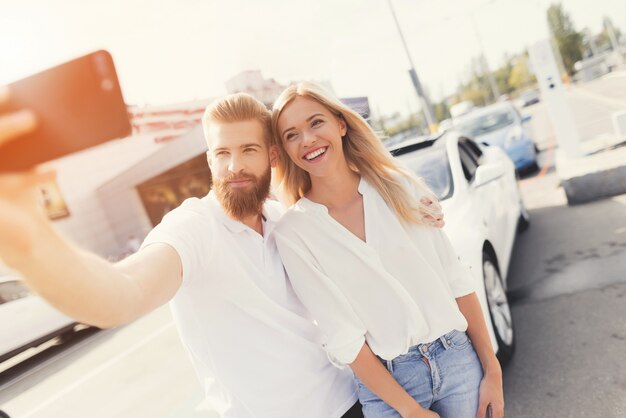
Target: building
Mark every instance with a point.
(118, 191)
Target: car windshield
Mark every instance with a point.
(433, 165)
(486, 123)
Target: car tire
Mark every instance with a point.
(499, 309)
(534, 167)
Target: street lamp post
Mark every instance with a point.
(426, 105)
(492, 82)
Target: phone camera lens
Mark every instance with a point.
(107, 84)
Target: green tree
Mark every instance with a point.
(502, 75)
(568, 40)
(441, 111)
(520, 74)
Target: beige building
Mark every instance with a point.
(116, 192)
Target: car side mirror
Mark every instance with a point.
(486, 173)
(526, 118)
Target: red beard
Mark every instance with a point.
(245, 201)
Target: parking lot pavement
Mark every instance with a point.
(139, 370)
(567, 284)
(569, 356)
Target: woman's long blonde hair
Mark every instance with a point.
(364, 152)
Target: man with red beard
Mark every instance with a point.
(253, 345)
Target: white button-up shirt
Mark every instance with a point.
(394, 291)
(253, 344)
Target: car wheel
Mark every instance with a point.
(499, 310)
(534, 167)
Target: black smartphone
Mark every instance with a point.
(78, 104)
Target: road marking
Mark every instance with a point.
(98, 370)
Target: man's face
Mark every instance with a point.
(240, 160)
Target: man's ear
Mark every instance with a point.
(274, 155)
(208, 159)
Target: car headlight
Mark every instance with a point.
(514, 135)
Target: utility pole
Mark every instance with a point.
(608, 25)
(492, 82)
(426, 105)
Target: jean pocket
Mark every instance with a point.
(458, 340)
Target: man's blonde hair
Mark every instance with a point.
(237, 107)
(364, 152)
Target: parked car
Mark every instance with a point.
(528, 98)
(26, 320)
(461, 108)
(501, 124)
(478, 189)
(444, 125)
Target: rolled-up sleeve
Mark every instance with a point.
(342, 331)
(458, 275)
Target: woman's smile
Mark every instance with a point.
(315, 155)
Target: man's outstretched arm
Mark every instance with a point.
(78, 283)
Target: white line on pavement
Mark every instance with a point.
(98, 370)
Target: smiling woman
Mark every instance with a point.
(352, 243)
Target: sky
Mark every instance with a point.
(170, 51)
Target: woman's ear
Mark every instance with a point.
(343, 126)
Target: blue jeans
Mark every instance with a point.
(443, 376)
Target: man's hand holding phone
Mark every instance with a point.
(14, 124)
(59, 111)
(20, 213)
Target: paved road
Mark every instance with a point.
(567, 281)
(139, 370)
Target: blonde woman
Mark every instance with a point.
(387, 291)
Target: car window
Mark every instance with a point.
(473, 149)
(433, 165)
(487, 123)
(468, 162)
(12, 290)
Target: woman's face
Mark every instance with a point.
(311, 136)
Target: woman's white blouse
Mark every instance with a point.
(394, 291)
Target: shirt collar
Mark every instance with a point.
(363, 186)
(305, 203)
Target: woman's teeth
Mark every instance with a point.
(315, 153)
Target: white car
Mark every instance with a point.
(477, 186)
(26, 320)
